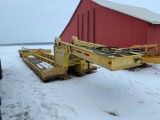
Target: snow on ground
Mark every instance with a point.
(102, 95)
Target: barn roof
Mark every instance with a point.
(136, 12)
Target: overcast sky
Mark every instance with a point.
(23, 21)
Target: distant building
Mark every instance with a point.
(113, 24)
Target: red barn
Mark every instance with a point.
(113, 24)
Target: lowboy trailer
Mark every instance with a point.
(79, 55)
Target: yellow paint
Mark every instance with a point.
(77, 55)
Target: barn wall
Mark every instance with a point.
(117, 29)
(154, 35)
(80, 26)
(94, 23)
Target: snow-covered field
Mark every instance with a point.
(103, 95)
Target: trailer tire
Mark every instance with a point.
(20, 55)
(0, 70)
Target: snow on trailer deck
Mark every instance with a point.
(38, 63)
(102, 95)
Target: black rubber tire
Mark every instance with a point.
(0, 78)
(0, 70)
(0, 109)
(20, 55)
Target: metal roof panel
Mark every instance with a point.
(136, 12)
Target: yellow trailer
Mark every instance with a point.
(149, 53)
(79, 57)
